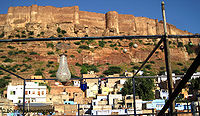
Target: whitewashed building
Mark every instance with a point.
(77, 83)
(33, 93)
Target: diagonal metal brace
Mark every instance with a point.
(181, 85)
(152, 52)
(12, 73)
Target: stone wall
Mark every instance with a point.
(92, 19)
(2, 19)
(127, 23)
(79, 23)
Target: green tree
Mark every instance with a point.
(83, 70)
(50, 45)
(8, 60)
(1, 72)
(102, 43)
(84, 47)
(11, 47)
(17, 35)
(86, 67)
(195, 86)
(2, 35)
(3, 84)
(38, 72)
(23, 32)
(23, 36)
(50, 53)
(130, 44)
(143, 88)
(33, 53)
(31, 33)
(77, 43)
(63, 32)
(58, 30)
(7, 77)
(180, 44)
(195, 83)
(113, 70)
(60, 36)
(42, 33)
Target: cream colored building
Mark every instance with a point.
(92, 91)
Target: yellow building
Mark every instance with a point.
(185, 92)
(38, 77)
(105, 91)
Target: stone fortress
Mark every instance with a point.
(43, 22)
(79, 23)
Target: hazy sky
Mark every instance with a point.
(184, 14)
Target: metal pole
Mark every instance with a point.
(133, 80)
(193, 108)
(12, 73)
(78, 110)
(187, 107)
(99, 38)
(167, 59)
(198, 108)
(84, 38)
(24, 97)
(2, 112)
(153, 112)
(181, 84)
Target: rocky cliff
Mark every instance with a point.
(47, 21)
(79, 23)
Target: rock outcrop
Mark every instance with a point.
(47, 21)
(78, 23)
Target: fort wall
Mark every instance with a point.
(80, 23)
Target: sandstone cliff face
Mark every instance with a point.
(43, 21)
(79, 23)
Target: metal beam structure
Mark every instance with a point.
(100, 38)
(164, 38)
(134, 103)
(24, 97)
(151, 54)
(24, 80)
(12, 73)
(181, 84)
(91, 38)
(167, 59)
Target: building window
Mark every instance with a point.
(12, 92)
(42, 92)
(33, 92)
(39, 93)
(26, 92)
(29, 92)
(19, 101)
(69, 94)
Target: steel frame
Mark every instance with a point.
(164, 37)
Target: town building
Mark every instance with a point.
(38, 77)
(34, 93)
(60, 94)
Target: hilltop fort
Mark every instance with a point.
(79, 23)
(47, 21)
